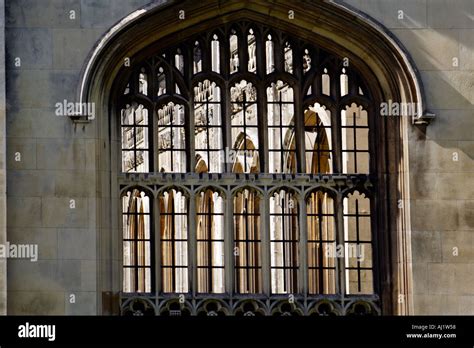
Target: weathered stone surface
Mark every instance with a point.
(431, 49)
(430, 304)
(89, 275)
(56, 212)
(426, 246)
(84, 303)
(459, 14)
(387, 12)
(69, 274)
(104, 13)
(76, 244)
(31, 46)
(50, 14)
(34, 183)
(466, 41)
(449, 89)
(441, 278)
(435, 215)
(36, 302)
(45, 238)
(420, 273)
(24, 212)
(21, 154)
(74, 184)
(466, 215)
(458, 246)
(447, 125)
(441, 156)
(24, 275)
(44, 123)
(61, 154)
(455, 186)
(71, 47)
(40, 88)
(421, 183)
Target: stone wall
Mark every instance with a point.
(52, 38)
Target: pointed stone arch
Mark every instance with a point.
(341, 30)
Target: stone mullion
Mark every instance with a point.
(262, 120)
(190, 153)
(229, 245)
(192, 246)
(206, 53)
(260, 53)
(152, 120)
(336, 122)
(340, 278)
(299, 113)
(278, 53)
(157, 244)
(226, 119)
(243, 51)
(261, 105)
(226, 105)
(265, 248)
(303, 237)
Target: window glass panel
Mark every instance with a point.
(174, 244)
(197, 58)
(344, 81)
(134, 134)
(244, 125)
(136, 226)
(357, 244)
(215, 54)
(281, 130)
(284, 243)
(355, 140)
(171, 139)
(318, 140)
(288, 56)
(161, 80)
(143, 82)
(270, 55)
(306, 61)
(208, 128)
(210, 242)
(326, 83)
(321, 237)
(247, 242)
(234, 53)
(252, 52)
(179, 61)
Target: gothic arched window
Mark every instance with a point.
(257, 148)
